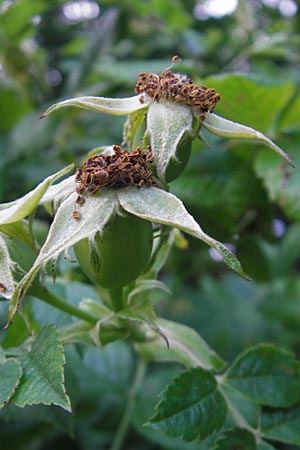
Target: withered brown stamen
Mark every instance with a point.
(179, 88)
(117, 170)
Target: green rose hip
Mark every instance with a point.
(118, 255)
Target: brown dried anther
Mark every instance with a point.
(179, 88)
(112, 171)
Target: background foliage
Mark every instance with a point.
(240, 193)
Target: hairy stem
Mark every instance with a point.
(125, 421)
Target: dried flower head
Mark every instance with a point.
(179, 88)
(114, 170)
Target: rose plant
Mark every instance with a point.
(118, 219)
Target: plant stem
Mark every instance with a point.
(48, 297)
(116, 299)
(123, 427)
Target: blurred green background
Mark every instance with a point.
(241, 194)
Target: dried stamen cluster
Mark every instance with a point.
(179, 88)
(116, 170)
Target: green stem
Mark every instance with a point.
(116, 299)
(48, 297)
(125, 421)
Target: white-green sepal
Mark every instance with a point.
(162, 207)
(226, 128)
(114, 106)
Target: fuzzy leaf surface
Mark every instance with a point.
(6, 276)
(10, 374)
(226, 128)
(64, 232)
(167, 123)
(43, 373)
(22, 207)
(191, 406)
(266, 374)
(115, 106)
(162, 207)
(186, 347)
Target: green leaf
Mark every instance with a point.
(191, 406)
(226, 128)
(236, 438)
(186, 347)
(22, 207)
(19, 230)
(282, 185)
(167, 123)
(6, 271)
(240, 97)
(266, 374)
(282, 424)
(115, 106)
(64, 232)
(10, 374)
(162, 207)
(43, 375)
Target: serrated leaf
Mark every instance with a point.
(115, 106)
(162, 207)
(266, 374)
(43, 374)
(10, 374)
(191, 406)
(22, 207)
(236, 438)
(186, 347)
(167, 123)
(64, 232)
(281, 425)
(226, 128)
(7, 283)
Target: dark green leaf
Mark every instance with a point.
(191, 406)
(266, 374)
(10, 374)
(282, 424)
(236, 439)
(43, 374)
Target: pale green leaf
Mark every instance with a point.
(43, 374)
(162, 207)
(25, 205)
(59, 191)
(186, 347)
(226, 128)
(10, 374)
(115, 106)
(281, 425)
(267, 375)
(6, 276)
(167, 123)
(191, 406)
(64, 232)
(143, 286)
